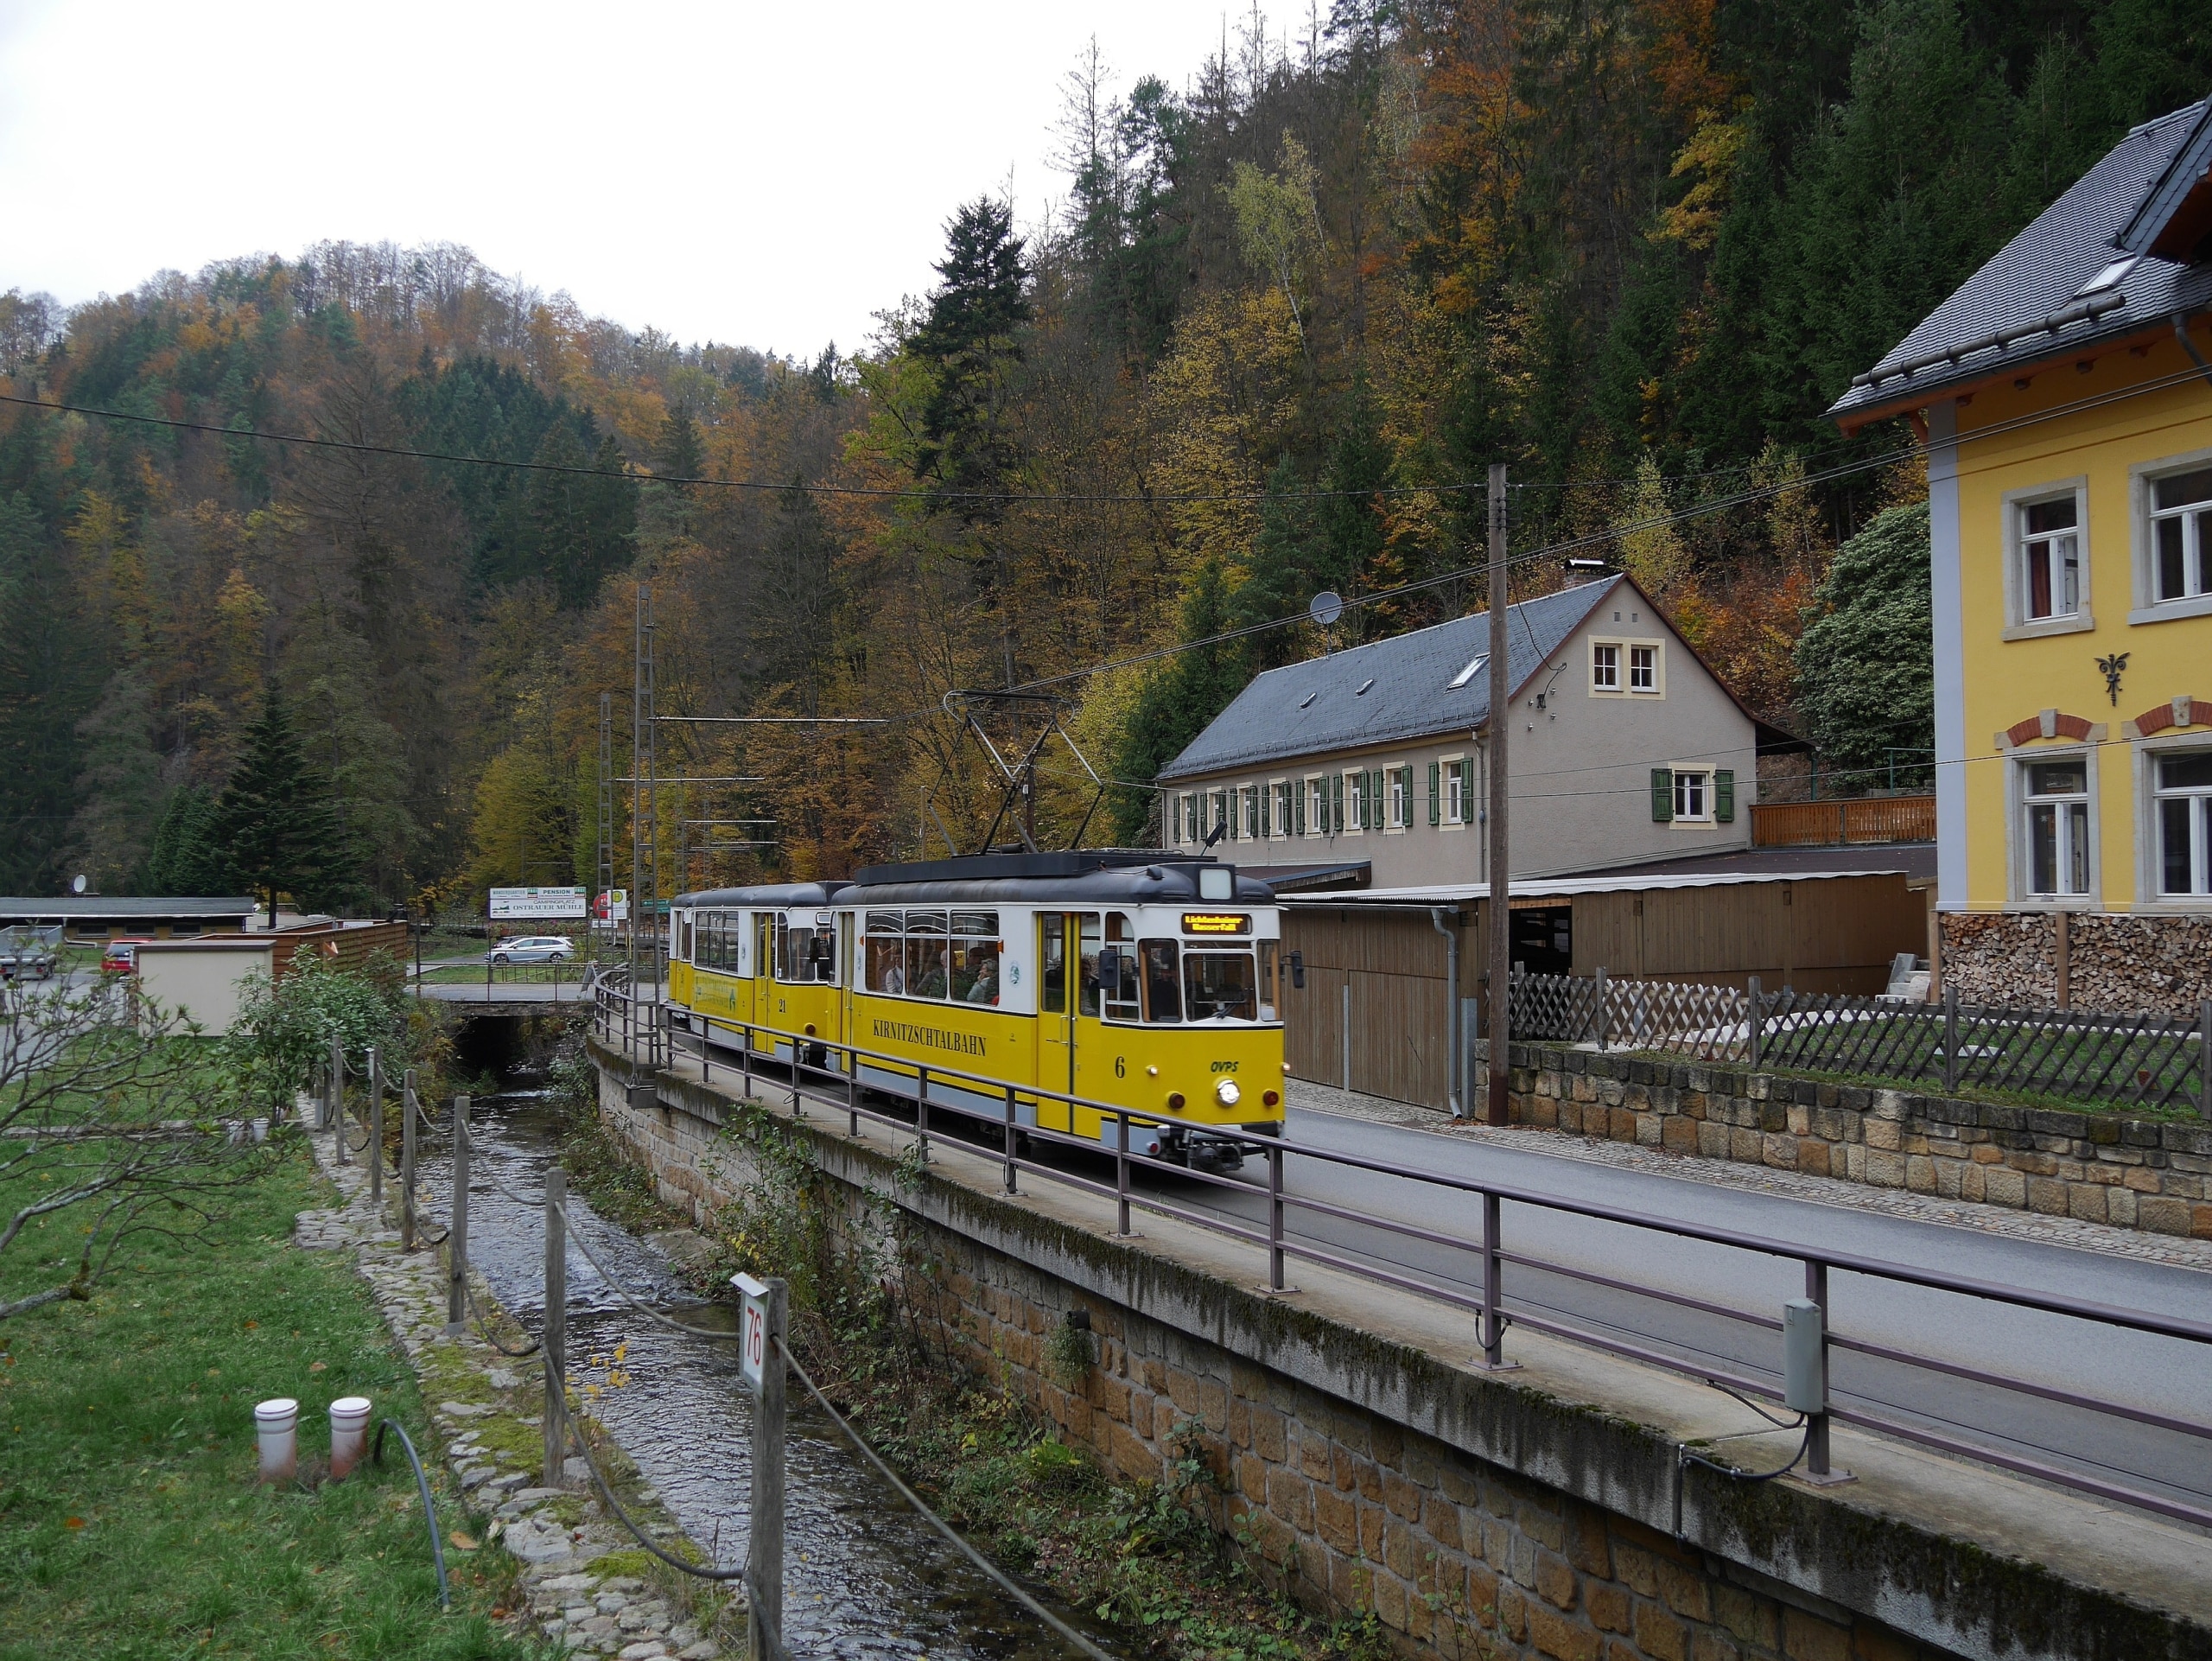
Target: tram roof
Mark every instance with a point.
(1084, 876)
(765, 894)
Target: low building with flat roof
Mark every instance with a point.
(99, 916)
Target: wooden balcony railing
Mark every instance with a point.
(1836, 824)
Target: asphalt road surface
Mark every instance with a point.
(2167, 1376)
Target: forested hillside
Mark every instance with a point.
(1267, 343)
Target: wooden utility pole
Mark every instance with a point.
(762, 1358)
(1501, 935)
(554, 1340)
(457, 1224)
(408, 1110)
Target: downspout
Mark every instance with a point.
(2181, 334)
(1450, 1010)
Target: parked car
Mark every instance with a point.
(121, 957)
(25, 954)
(532, 948)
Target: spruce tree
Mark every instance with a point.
(1865, 665)
(275, 818)
(970, 339)
(679, 453)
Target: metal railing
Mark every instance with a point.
(833, 1079)
(2140, 1062)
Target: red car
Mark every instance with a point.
(121, 957)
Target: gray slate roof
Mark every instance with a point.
(112, 904)
(1316, 707)
(2028, 304)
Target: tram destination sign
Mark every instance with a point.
(1217, 922)
(538, 902)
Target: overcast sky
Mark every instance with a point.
(764, 175)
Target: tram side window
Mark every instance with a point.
(807, 954)
(1219, 985)
(1118, 974)
(885, 954)
(974, 954)
(926, 946)
(1162, 964)
(1088, 947)
(1268, 993)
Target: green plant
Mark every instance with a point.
(1070, 1354)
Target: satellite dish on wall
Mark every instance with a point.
(1327, 607)
(77, 886)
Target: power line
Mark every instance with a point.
(883, 491)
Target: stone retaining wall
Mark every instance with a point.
(2112, 960)
(1473, 1517)
(2140, 1173)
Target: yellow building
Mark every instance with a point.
(2065, 396)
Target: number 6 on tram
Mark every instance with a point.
(1118, 977)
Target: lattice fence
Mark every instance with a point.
(2129, 1061)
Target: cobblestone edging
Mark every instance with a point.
(2151, 1175)
(486, 1407)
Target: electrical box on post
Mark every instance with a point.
(1804, 1358)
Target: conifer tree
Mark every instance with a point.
(275, 818)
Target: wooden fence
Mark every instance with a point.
(1836, 824)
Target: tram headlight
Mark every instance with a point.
(1226, 1092)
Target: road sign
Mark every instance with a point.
(538, 902)
(751, 1330)
(613, 906)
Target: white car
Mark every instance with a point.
(532, 948)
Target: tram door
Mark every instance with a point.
(1055, 935)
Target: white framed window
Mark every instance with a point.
(1317, 805)
(1401, 792)
(1628, 668)
(1692, 797)
(1455, 790)
(1248, 802)
(2047, 560)
(2181, 536)
(1279, 814)
(1356, 802)
(2051, 559)
(2181, 786)
(2054, 822)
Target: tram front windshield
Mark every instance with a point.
(1220, 986)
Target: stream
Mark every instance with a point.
(864, 1575)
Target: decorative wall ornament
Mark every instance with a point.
(2111, 668)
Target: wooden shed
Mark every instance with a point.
(1373, 1013)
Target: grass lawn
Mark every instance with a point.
(131, 1524)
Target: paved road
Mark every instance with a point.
(2162, 1375)
(2165, 1375)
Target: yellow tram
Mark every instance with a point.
(1137, 980)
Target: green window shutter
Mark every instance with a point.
(1662, 794)
(1372, 800)
(1435, 792)
(1467, 788)
(1267, 810)
(1724, 796)
(1297, 807)
(1336, 803)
